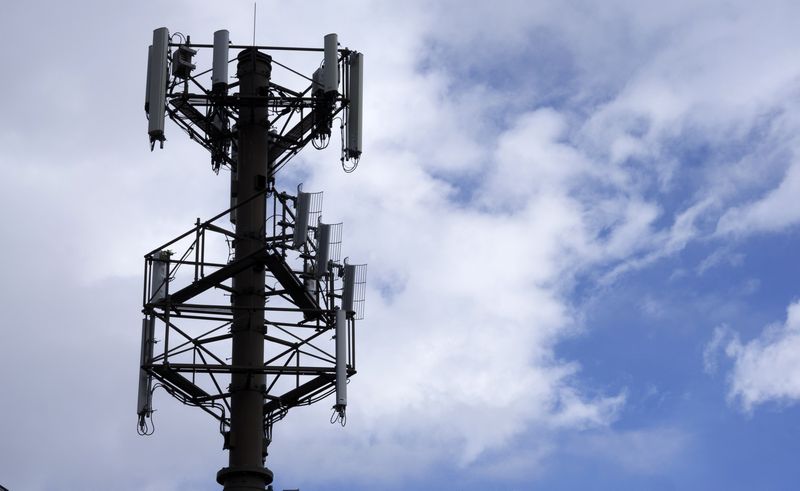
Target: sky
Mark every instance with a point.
(579, 220)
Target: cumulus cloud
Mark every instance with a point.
(478, 303)
(766, 368)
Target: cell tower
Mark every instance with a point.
(247, 323)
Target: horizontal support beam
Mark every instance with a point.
(166, 374)
(270, 369)
(292, 397)
(212, 279)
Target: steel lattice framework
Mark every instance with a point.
(191, 311)
(264, 312)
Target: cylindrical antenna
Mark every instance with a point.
(323, 249)
(158, 291)
(349, 287)
(158, 79)
(341, 359)
(144, 405)
(330, 70)
(219, 72)
(355, 92)
(301, 220)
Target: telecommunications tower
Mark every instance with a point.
(247, 322)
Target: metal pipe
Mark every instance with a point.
(262, 48)
(252, 372)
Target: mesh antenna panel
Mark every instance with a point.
(354, 289)
(308, 209)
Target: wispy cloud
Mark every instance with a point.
(648, 451)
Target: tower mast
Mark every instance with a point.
(247, 452)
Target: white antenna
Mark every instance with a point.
(348, 289)
(157, 78)
(330, 70)
(355, 93)
(302, 209)
(219, 70)
(254, 23)
(341, 362)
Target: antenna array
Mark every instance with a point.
(251, 322)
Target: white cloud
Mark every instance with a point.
(720, 257)
(766, 368)
(479, 303)
(773, 212)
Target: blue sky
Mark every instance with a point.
(579, 219)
